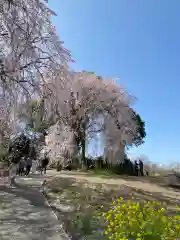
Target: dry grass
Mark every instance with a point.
(78, 202)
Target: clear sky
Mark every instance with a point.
(139, 42)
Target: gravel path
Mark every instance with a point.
(24, 213)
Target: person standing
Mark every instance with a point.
(28, 166)
(141, 167)
(12, 173)
(34, 166)
(21, 166)
(136, 168)
(45, 162)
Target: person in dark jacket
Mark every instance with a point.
(21, 166)
(28, 166)
(141, 167)
(136, 168)
(45, 162)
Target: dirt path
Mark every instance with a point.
(149, 187)
(24, 213)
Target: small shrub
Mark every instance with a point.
(135, 221)
(4, 154)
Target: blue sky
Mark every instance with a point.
(139, 42)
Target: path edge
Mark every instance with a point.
(61, 225)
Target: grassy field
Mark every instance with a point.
(78, 203)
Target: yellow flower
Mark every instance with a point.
(136, 219)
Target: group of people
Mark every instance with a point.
(25, 166)
(139, 168)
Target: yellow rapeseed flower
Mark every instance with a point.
(133, 220)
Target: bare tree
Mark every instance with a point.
(30, 49)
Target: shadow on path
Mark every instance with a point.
(24, 213)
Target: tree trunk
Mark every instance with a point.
(83, 148)
(83, 155)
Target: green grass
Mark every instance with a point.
(103, 172)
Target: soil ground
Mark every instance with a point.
(77, 198)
